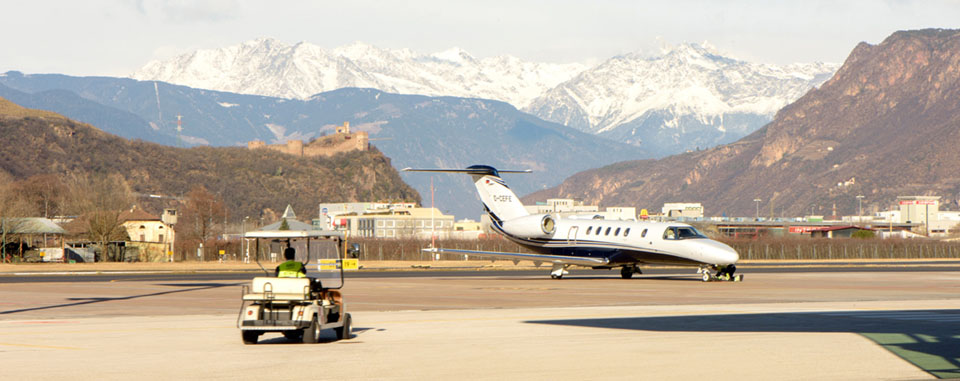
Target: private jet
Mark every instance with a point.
(589, 242)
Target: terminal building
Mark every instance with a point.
(385, 220)
(566, 207)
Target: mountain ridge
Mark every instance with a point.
(886, 125)
(689, 93)
(36, 142)
(413, 130)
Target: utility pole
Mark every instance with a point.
(757, 200)
(860, 213)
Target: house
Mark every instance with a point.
(151, 234)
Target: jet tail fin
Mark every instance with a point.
(499, 201)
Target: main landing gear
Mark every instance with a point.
(626, 272)
(559, 270)
(724, 273)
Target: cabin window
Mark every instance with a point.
(643, 233)
(608, 232)
(617, 232)
(626, 232)
(599, 229)
(589, 228)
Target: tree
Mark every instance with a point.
(100, 199)
(12, 208)
(201, 211)
(46, 192)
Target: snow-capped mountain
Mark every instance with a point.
(272, 68)
(688, 97)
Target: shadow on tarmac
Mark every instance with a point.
(929, 339)
(326, 336)
(92, 300)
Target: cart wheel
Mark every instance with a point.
(250, 337)
(312, 333)
(296, 336)
(343, 333)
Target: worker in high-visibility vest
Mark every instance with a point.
(291, 268)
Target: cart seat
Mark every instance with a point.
(279, 289)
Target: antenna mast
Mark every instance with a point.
(179, 129)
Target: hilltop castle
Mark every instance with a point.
(342, 141)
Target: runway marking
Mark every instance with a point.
(41, 346)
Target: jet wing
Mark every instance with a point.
(563, 259)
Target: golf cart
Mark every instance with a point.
(299, 308)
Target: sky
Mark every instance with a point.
(116, 37)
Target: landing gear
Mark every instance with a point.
(626, 272)
(559, 270)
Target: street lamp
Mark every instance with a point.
(860, 213)
(243, 234)
(757, 200)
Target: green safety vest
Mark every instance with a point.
(292, 269)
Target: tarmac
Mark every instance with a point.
(805, 325)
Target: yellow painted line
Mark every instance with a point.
(40, 346)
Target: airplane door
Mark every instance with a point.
(572, 235)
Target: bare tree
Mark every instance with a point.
(46, 192)
(201, 213)
(100, 199)
(12, 208)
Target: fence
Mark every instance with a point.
(372, 249)
(806, 249)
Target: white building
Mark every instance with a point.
(566, 207)
(682, 209)
(382, 220)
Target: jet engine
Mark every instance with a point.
(532, 226)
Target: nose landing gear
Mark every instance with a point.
(724, 273)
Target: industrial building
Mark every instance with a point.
(385, 220)
(682, 210)
(566, 207)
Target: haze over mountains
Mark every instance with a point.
(688, 97)
(886, 125)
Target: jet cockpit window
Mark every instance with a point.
(670, 233)
(682, 232)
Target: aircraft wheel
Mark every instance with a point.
(249, 337)
(343, 333)
(626, 272)
(555, 276)
(706, 276)
(312, 333)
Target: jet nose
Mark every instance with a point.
(722, 254)
(730, 254)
